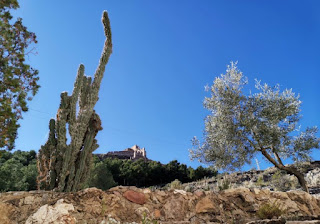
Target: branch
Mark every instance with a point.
(278, 157)
(269, 157)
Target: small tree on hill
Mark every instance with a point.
(241, 125)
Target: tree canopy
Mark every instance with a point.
(241, 124)
(18, 80)
(18, 172)
(140, 173)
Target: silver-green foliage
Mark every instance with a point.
(242, 123)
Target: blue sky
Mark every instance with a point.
(164, 53)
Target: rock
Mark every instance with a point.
(269, 221)
(160, 196)
(142, 211)
(59, 213)
(117, 193)
(124, 205)
(146, 191)
(199, 193)
(135, 197)
(205, 205)
(176, 208)
(313, 177)
(5, 211)
(176, 191)
(157, 214)
(28, 200)
(304, 222)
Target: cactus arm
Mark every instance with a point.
(107, 51)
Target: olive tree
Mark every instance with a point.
(242, 124)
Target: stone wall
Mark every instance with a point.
(130, 204)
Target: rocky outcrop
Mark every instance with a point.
(58, 213)
(262, 179)
(130, 204)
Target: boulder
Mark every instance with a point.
(135, 197)
(59, 213)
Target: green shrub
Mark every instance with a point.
(176, 184)
(189, 188)
(260, 182)
(224, 184)
(269, 210)
(101, 177)
(283, 182)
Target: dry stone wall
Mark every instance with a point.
(130, 205)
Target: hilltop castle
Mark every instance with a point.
(132, 153)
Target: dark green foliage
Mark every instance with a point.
(18, 171)
(101, 177)
(202, 172)
(18, 80)
(142, 173)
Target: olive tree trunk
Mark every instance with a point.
(289, 170)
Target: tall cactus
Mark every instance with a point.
(62, 166)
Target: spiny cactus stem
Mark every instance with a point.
(69, 162)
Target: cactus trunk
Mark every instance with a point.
(62, 166)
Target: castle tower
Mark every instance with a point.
(144, 153)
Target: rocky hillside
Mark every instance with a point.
(270, 178)
(133, 205)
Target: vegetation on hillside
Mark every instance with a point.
(140, 173)
(18, 172)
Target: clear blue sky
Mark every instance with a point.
(165, 52)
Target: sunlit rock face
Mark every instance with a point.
(132, 205)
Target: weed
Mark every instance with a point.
(270, 210)
(103, 207)
(146, 220)
(176, 184)
(283, 182)
(224, 184)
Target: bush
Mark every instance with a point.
(283, 182)
(270, 210)
(189, 188)
(260, 182)
(224, 184)
(176, 184)
(101, 177)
